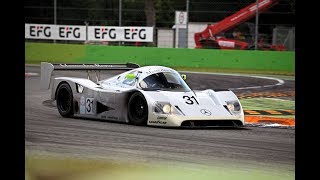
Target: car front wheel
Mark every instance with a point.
(138, 109)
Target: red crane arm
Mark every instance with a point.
(233, 20)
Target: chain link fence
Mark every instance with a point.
(276, 24)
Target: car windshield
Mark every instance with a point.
(166, 81)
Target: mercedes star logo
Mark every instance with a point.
(205, 112)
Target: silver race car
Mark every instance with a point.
(149, 95)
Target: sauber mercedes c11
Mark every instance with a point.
(149, 95)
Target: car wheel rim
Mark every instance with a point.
(139, 108)
(64, 100)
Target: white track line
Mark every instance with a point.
(31, 74)
(280, 81)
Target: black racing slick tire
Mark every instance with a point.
(138, 109)
(64, 99)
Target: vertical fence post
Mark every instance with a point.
(120, 15)
(86, 23)
(256, 28)
(55, 15)
(187, 23)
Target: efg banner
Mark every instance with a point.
(115, 33)
(59, 32)
(66, 32)
(38, 31)
(94, 33)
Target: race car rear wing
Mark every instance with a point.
(48, 68)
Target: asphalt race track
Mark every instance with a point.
(47, 132)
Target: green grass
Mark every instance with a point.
(266, 62)
(277, 74)
(36, 53)
(267, 104)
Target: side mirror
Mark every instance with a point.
(130, 76)
(184, 77)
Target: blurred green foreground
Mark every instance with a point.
(58, 168)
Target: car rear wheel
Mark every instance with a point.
(64, 99)
(138, 109)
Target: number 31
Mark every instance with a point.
(189, 99)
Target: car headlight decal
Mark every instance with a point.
(234, 106)
(164, 108)
(230, 107)
(167, 108)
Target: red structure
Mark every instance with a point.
(209, 37)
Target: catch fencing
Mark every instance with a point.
(275, 25)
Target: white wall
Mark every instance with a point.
(165, 38)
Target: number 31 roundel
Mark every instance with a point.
(189, 100)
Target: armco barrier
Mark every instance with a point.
(274, 61)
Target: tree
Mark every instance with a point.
(164, 13)
(150, 12)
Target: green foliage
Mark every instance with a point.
(133, 13)
(164, 13)
(106, 12)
